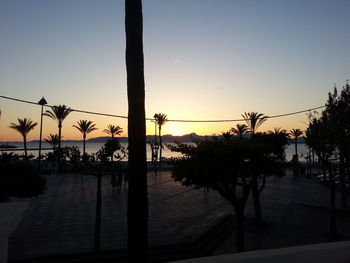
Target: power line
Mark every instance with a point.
(268, 117)
(171, 120)
(81, 111)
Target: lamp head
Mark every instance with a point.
(42, 101)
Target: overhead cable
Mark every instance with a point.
(170, 120)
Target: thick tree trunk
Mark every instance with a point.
(343, 200)
(256, 200)
(98, 217)
(137, 193)
(239, 209)
(332, 221)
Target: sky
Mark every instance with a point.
(204, 60)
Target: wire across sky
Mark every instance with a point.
(170, 120)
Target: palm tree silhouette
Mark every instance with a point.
(254, 120)
(113, 130)
(240, 130)
(58, 113)
(52, 139)
(24, 126)
(278, 131)
(160, 120)
(85, 127)
(295, 133)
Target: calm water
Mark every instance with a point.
(93, 147)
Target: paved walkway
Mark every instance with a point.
(62, 220)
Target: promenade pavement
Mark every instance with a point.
(62, 220)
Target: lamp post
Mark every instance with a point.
(41, 102)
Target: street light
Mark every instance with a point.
(41, 102)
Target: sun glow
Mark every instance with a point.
(175, 129)
(176, 132)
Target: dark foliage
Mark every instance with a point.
(18, 179)
(330, 134)
(219, 163)
(230, 166)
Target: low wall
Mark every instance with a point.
(335, 252)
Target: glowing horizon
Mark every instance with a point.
(173, 128)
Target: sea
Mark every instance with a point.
(93, 147)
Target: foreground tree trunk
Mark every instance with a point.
(239, 209)
(256, 201)
(343, 200)
(332, 219)
(98, 216)
(137, 193)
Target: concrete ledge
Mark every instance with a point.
(336, 252)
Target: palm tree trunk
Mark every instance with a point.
(137, 166)
(59, 137)
(84, 142)
(25, 148)
(112, 154)
(160, 145)
(59, 146)
(296, 146)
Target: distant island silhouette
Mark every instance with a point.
(168, 138)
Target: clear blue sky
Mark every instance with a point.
(204, 59)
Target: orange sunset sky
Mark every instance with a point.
(204, 60)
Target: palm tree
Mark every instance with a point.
(24, 126)
(52, 139)
(113, 130)
(226, 136)
(240, 130)
(254, 120)
(58, 113)
(85, 127)
(295, 133)
(160, 119)
(137, 165)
